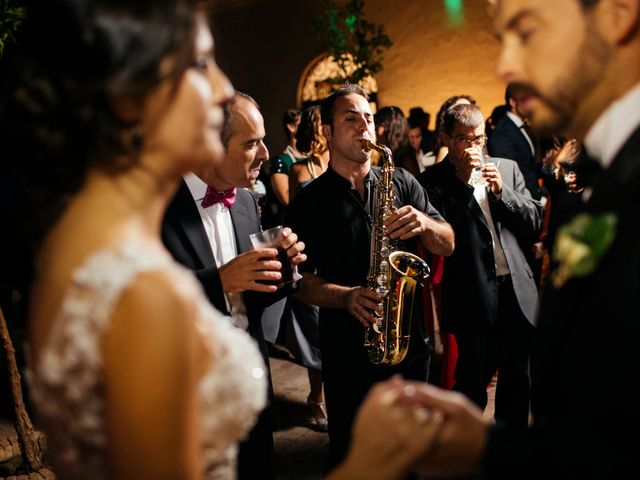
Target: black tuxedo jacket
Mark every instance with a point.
(469, 289)
(587, 360)
(185, 237)
(508, 141)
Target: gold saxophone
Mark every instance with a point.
(392, 273)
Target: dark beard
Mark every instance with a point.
(583, 73)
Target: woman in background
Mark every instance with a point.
(300, 318)
(276, 171)
(312, 144)
(392, 130)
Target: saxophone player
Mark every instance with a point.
(333, 216)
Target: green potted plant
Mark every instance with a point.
(355, 44)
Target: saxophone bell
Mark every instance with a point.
(394, 274)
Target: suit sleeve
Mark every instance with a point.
(209, 278)
(417, 196)
(260, 299)
(515, 207)
(579, 448)
(302, 224)
(501, 145)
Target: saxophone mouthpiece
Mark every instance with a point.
(367, 145)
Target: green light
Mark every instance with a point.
(351, 23)
(455, 11)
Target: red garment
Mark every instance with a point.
(445, 354)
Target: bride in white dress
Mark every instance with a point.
(133, 373)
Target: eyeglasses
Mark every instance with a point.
(468, 141)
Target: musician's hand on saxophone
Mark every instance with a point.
(406, 222)
(361, 302)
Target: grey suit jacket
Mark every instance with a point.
(469, 289)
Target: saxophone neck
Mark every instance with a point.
(381, 149)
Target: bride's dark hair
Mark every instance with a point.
(73, 61)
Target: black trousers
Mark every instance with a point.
(505, 347)
(255, 453)
(346, 383)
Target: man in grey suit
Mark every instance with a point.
(489, 297)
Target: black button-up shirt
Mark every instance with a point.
(335, 224)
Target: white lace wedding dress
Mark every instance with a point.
(67, 383)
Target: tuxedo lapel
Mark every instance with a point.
(242, 220)
(474, 206)
(612, 187)
(521, 134)
(188, 218)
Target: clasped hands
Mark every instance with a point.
(249, 270)
(405, 427)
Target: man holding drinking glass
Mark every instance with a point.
(489, 297)
(207, 228)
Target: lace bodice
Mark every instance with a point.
(67, 383)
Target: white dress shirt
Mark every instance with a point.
(614, 127)
(217, 223)
(481, 195)
(520, 124)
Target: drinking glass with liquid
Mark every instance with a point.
(271, 239)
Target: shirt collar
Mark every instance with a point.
(613, 127)
(370, 177)
(196, 186)
(515, 119)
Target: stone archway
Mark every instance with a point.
(315, 83)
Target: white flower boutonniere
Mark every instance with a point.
(581, 244)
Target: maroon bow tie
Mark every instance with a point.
(211, 197)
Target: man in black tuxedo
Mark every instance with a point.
(207, 228)
(578, 63)
(489, 298)
(511, 139)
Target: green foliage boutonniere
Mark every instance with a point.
(581, 244)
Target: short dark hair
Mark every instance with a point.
(225, 135)
(463, 114)
(508, 94)
(290, 117)
(447, 104)
(417, 115)
(511, 91)
(327, 106)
